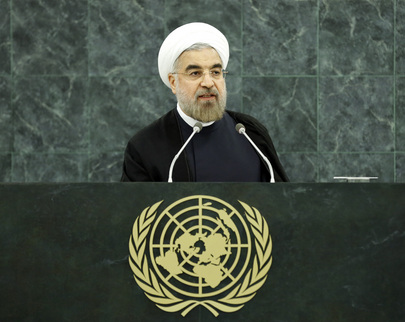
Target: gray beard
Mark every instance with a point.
(203, 111)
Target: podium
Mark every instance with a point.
(338, 250)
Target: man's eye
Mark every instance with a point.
(195, 74)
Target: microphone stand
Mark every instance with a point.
(240, 128)
(196, 129)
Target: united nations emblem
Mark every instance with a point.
(200, 251)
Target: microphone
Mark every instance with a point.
(196, 129)
(240, 128)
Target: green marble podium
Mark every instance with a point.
(338, 251)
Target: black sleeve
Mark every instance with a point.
(149, 153)
(133, 169)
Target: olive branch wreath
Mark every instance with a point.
(233, 301)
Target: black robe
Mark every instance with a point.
(150, 152)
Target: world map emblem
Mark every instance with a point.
(200, 250)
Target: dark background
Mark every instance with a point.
(338, 251)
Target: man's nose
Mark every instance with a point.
(207, 80)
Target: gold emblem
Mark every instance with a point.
(199, 251)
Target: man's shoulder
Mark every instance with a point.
(246, 120)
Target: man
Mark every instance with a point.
(192, 62)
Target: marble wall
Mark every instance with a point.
(78, 78)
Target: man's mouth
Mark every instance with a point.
(207, 96)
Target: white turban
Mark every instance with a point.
(185, 36)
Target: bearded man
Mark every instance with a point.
(192, 62)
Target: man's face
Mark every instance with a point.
(202, 98)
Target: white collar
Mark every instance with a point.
(189, 120)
